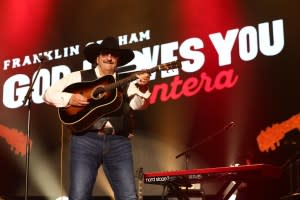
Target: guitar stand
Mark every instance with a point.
(292, 166)
(175, 190)
(224, 193)
(228, 188)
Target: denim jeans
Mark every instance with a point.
(113, 152)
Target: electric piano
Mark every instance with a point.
(236, 174)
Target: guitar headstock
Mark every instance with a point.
(269, 139)
(170, 65)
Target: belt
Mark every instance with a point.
(106, 131)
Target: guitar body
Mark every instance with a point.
(101, 103)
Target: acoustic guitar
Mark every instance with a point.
(103, 96)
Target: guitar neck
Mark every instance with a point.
(130, 78)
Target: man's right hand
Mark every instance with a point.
(78, 100)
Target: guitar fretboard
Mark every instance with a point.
(133, 76)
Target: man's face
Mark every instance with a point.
(107, 62)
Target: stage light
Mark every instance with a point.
(232, 197)
(230, 187)
(62, 198)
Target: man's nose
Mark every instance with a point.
(109, 56)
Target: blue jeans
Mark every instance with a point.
(113, 152)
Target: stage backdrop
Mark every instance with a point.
(233, 97)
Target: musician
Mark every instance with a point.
(106, 142)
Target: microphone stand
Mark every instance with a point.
(187, 151)
(28, 98)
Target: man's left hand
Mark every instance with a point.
(143, 79)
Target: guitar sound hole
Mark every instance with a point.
(98, 93)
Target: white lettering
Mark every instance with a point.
(248, 45)
(40, 86)
(16, 87)
(57, 54)
(122, 39)
(133, 38)
(265, 41)
(86, 65)
(144, 35)
(146, 59)
(34, 58)
(196, 58)
(74, 50)
(48, 54)
(224, 46)
(26, 61)
(6, 63)
(14, 90)
(16, 62)
(250, 40)
(58, 72)
(167, 55)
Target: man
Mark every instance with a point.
(106, 142)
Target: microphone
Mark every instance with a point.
(43, 58)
